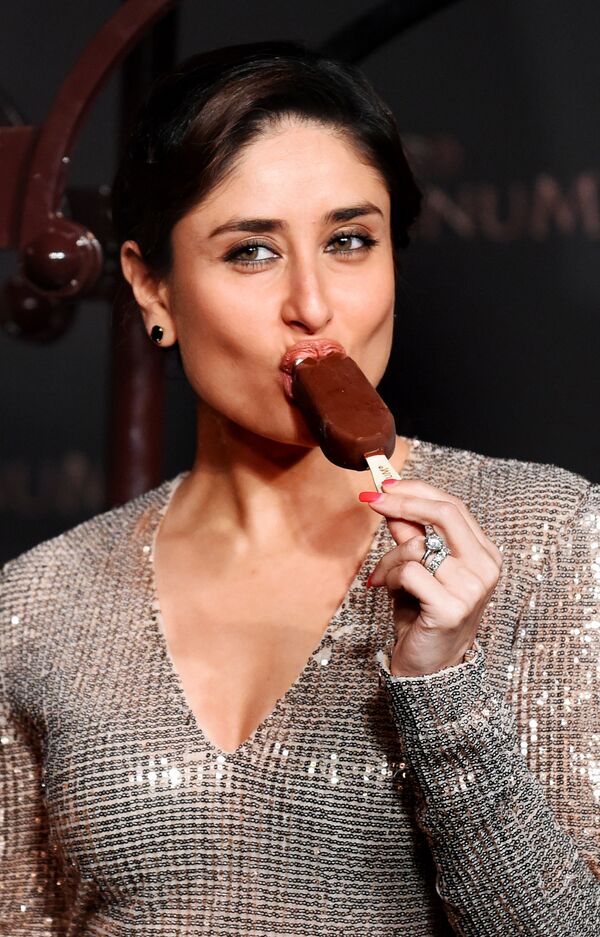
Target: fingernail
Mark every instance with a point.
(369, 583)
(389, 482)
(368, 497)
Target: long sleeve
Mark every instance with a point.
(32, 886)
(508, 790)
(29, 893)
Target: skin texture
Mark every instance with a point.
(228, 598)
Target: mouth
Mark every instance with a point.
(307, 348)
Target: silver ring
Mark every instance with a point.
(436, 550)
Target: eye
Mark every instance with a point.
(252, 249)
(252, 257)
(344, 238)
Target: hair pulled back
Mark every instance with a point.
(198, 118)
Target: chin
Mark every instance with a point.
(296, 436)
(289, 433)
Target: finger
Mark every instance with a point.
(433, 597)
(412, 549)
(402, 530)
(423, 489)
(450, 520)
(438, 609)
(443, 515)
(451, 573)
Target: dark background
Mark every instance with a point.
(498, 329)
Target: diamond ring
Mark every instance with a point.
(436, 550)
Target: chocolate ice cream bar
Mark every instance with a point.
(343, 410)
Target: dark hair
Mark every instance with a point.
(197, 119)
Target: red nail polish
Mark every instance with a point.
(368, 497)
(369, 580)
(389, 482)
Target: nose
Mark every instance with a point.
(304, 306)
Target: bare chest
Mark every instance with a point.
(239, 642)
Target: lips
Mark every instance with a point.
(310, 348)
(307, 348)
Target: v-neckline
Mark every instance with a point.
(159, 631)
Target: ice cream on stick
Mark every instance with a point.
(345, 413)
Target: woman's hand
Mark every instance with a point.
(436, 617)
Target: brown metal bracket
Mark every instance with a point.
(60, 259)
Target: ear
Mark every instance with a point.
(150, 291)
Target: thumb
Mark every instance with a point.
(402, 530)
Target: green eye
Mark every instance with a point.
(346, 237)
(251, 249)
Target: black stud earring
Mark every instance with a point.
(157, 334)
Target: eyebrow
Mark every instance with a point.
(261, 225)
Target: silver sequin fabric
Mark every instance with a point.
(465, 801)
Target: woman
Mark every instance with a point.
(246, 703)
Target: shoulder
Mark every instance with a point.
(505, 486)
(528, 509)
(76, 567)
(91, 540)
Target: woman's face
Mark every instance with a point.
(263, 263)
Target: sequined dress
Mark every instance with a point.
(462, 802)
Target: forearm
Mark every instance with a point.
(504, 865)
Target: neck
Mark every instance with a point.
(256, 491)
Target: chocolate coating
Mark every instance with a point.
(343, 410)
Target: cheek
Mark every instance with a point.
(217, 326)
(377, 313)
(377, 351)
(211, 320)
